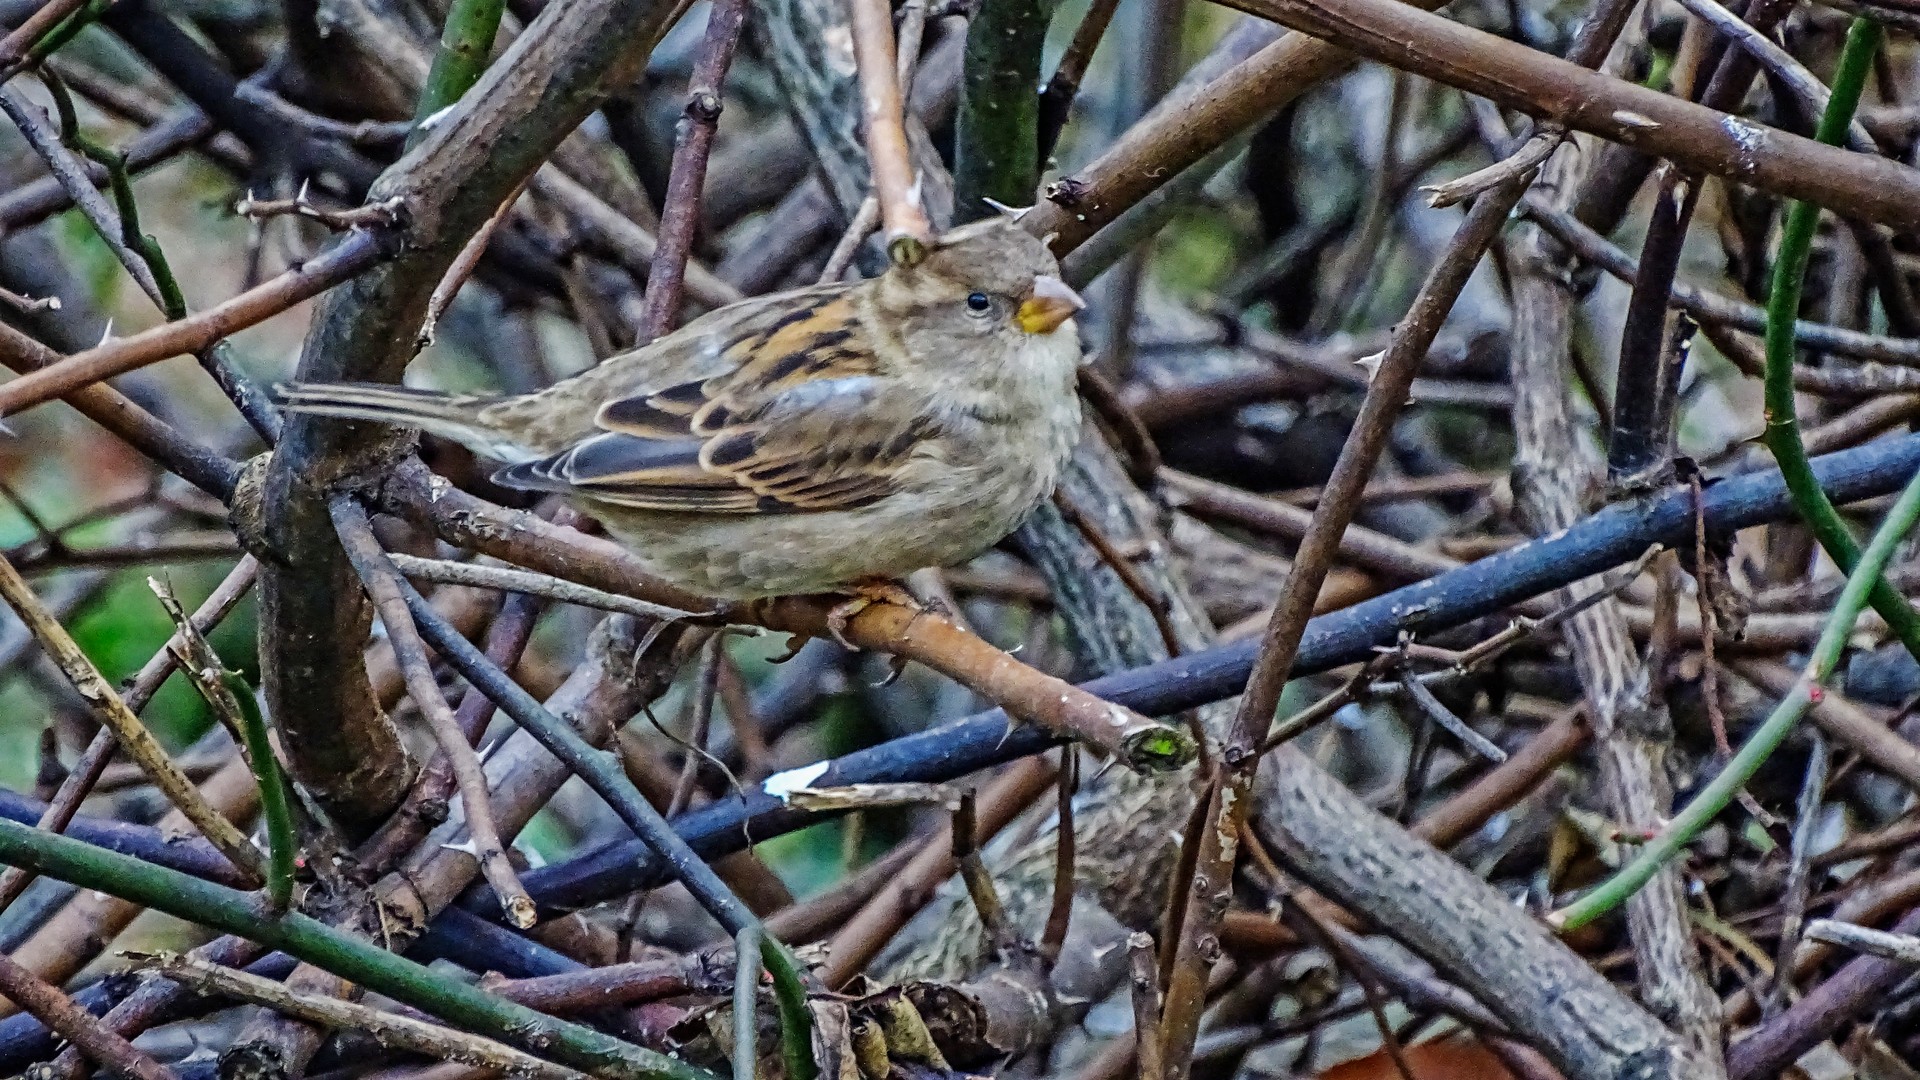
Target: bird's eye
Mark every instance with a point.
(978, 302)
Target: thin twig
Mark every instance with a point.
(383, 585)
(381, 214)
(1122, 567)
(1437, 711)
(389, 1029)
(687, 177)
(862, 225)
(86, 772)
(55, 1009)
(233, 704)
(701, 728)
(1060, 913)
(134, 738)
(1902, 947)
(529, 583)
(1056, 101)
(973, 873)
(1532, 154)
(1143, 972)
(1793, 901)
(746, 1011)
(27, 305)
(463, 266)
(197, 332)
(882, 108)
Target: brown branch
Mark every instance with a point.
(1060, 914)
(630, 244)
(382, 583)
(1143, 974)
(1183, 129)
(884, 112)
(1861, 185)
(391, 1030)
(114, 411)
(73, 1023)
(195, 333)
(1391, 381)
(693, 142)
(924, 636)
(1141, 744)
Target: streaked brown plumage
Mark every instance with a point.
(803, 441)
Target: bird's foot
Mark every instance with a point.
(862, 595)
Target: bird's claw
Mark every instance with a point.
(861, 596)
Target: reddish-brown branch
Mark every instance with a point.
(343, 261)
(75, 1024)
(693, 143)
(886, 127)
(1861, 185)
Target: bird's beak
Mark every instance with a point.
(1049, 304)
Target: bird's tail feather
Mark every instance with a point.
(451, 416)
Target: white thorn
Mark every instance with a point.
(1013, 212)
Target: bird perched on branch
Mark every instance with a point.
(827, 439)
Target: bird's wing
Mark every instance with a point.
(801, 419)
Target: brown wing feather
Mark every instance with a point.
(798, 423)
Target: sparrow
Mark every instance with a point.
(820, 440)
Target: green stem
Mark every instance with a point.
(1715, 796)
(996, 136)
(746, 1013)
(66, 30)
(1783, 307)
(466, 41)
(273, 791)
(173, 303)
(234, 912)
